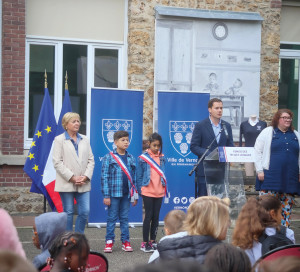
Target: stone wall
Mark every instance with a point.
(17, 200)
(141, 43)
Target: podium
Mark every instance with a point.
(225, 179)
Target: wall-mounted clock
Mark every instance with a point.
(220, 31)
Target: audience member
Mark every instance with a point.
(173, 227)
(46, 227)
(206, 223)
(227, 258)
(69, 252)
(12, 262)
(172, 266)
(258, 216)
(9, 238)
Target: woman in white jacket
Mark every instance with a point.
(277, 162)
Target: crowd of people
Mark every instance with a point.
(195, 238)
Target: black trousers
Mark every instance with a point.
(152, 207)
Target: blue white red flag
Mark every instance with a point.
(50, 173)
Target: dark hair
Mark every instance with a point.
(253, 219)
(212, 101)
(68, 242)
(120, 134)
(156, 137)
(277, 115)
(227, 258)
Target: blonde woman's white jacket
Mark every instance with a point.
(263, 149)
(67, 163)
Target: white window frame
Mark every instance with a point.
(58, 76)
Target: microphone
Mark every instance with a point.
(225, 129)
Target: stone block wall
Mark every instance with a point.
(141, 43)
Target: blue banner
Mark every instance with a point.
(178, 112)
(113, 110)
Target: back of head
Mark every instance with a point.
(67, 242)
(207, 215)
(12, 262)
(49, 225)
(174, 221)
(69, 250)
(9, 238)
(227, 258)
(254, 217)
(285, 263)
(172, 266)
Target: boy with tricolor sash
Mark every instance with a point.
(118, 189)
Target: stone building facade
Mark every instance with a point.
(14, 183)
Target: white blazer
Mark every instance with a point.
(263, 149)
(67, 163)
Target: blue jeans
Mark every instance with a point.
(83, 206)
(119, 208)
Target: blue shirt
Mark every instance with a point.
(216, 129)
(112, 175)
(73, 142)
(125, 178)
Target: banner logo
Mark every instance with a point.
(110, 126)
(180, 133)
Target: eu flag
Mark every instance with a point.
(40, 147)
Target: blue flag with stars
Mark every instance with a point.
(40, 147)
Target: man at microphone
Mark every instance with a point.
(210, 131)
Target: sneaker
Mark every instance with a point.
(108, 246)
(154, 245)
(147, 247)
(127, 247)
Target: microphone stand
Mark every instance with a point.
(201, 159)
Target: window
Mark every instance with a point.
(87, 65)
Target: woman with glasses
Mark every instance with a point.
(277, 162)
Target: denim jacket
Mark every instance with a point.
(112, 175)
(143, 172)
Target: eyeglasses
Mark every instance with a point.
(285, 118)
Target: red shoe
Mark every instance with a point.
(127, 247)
(108, 246)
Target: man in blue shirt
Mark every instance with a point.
(204, 133)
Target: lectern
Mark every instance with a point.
(225, 179)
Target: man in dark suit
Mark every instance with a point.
(204, 133)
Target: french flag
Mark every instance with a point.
(49, 172)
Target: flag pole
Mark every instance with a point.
(46, 86)
(66, 82)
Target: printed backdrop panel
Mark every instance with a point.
(178, 112)
(112, 110)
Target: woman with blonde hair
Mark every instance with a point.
(74, 163)
(206, 224)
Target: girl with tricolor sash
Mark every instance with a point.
(152, 185)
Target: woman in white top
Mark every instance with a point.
(258, 215)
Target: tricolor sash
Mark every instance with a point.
(133, 191)
(158, 170)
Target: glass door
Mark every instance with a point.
(288, 94)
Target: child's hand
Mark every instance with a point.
(134, 203)
(106, 201)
